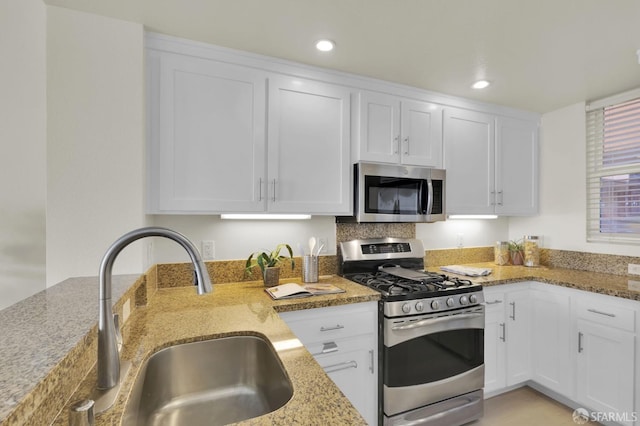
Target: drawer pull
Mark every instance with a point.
(595, 311)
(504, 336)
(494, 302)
(328, 348)
(341, 366)
(336, 327)
(513, 310)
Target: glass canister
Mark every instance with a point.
(501, 253)
(531, 250)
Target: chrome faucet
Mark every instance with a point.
(108, 353)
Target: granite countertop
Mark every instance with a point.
(179, 315)
(612, 285)
(43, 337)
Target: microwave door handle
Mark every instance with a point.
(430, 196)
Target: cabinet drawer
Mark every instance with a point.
(609, 314)
(325, 324)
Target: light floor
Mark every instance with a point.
(524, 407)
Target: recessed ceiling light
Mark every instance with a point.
(481, 84)
(325, 45)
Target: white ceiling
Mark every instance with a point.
(540, 54)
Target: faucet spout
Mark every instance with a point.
(108, 354)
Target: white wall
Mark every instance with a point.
(562, 219)
(95, 155)
(236, 239)
(23, 119)
(462, 233)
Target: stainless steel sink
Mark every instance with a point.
(212, 382)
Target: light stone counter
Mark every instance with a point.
(623, 286)
(47, 339)
(177, 315)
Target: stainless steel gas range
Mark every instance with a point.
(431, 342)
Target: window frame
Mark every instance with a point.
(603, 115)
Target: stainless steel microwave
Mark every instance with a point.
(395, 193)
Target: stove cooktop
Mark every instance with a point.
(429, 285)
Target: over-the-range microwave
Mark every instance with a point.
(396, 193)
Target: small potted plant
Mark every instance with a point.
(516, 250)
(269, 263)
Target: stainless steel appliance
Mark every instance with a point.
(431, 342)
(394, 193)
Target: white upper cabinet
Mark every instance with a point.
(491, 163)
(516, 167)
(206, 135)
(308, 156)
(396, 130)
(212, 149)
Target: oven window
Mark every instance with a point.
(387, 195)
(433, 357)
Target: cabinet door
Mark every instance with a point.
(421, 134)
(552, 364)
(494, 343)
(516, 167)
(518, 337)
(309, 167)
(605, 380)
(207, 140)
(379, 138)
(354, 373)
(469, 159)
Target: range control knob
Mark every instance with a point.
(435, 305)
(450, 302)
(406, 308)
(464, 300)
(419, 306)
(473, 298)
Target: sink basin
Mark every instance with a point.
(212, 382)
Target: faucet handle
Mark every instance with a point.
(116, 323)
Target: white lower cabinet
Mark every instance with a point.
(506, 353)
(605, 336)
(343, 339)
(551, 352)
(577, 346)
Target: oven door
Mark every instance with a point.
(430, 358)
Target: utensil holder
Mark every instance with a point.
(310, 269)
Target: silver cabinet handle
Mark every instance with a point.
(260, 189)
(371, 361)
(342, 366)
(501, 195)
(493, 198)
(327, 348)
(595, 311)
(493, 303)
(406, 145)
(504, 330)
(513, 310)
(396, 143)
(273, 195)
(580, 342)
(336, 327)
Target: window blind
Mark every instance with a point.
(613, 172)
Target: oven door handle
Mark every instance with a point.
(432, 321)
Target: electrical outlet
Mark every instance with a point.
(634, 269)
(208, 250)
(460, 240)
(322, 242)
